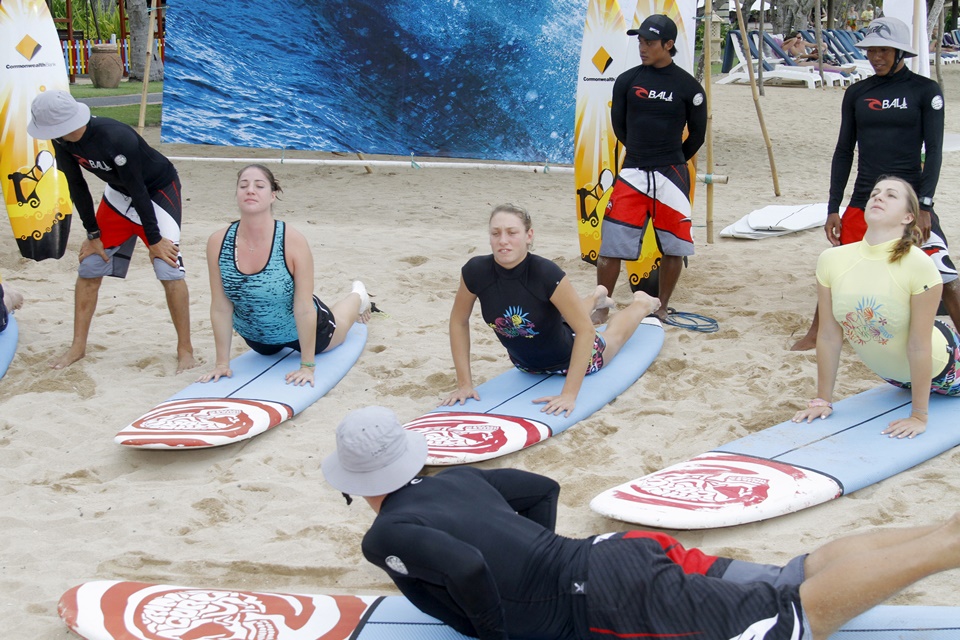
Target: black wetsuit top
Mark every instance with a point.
(455, 546)
(515, 303)
(649, 110)
(114, 152)
(888, 118)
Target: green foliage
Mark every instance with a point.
(108, 20)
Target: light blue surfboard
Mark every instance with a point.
(109, 610)
(8, 344)
(787, 467)
(506, 420)
(256, 398)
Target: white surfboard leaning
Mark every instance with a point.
(8, 344)
(256, 398)
(787, 467)
(505, 419)
(112, 610)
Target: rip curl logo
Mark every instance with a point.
(396, 564)
(875, 104)
(645, 94)
(514, 323)
(654, 29)
(879, 28)
(232, 417)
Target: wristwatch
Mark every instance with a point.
(926, 201)
(93, 235)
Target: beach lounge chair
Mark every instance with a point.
(782, 57)
(772, 74)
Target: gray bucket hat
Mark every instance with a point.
(889, 32)
(55, 113)
(375, 455)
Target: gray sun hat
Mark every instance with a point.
(55, 113)
(375, 455)
(889, 32)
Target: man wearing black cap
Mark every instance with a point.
(652, 103)
(477, 550)
(895, 120)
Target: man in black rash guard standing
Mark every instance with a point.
(895, 121)
(141, 199)
(477, 550)
(651, 105)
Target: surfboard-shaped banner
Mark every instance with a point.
(35, 192)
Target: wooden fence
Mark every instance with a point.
(76, 54)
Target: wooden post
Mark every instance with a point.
(146, 68)
(707, 81)
(756, 98)
(821, 50)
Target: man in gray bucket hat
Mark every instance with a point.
(894, 119)
(142, 198)
(477, 550)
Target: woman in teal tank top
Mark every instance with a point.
(261, 285)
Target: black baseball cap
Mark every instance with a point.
(656, 27)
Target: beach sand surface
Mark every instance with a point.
(257, 515)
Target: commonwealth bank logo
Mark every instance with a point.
(601, 60)
(28, 47)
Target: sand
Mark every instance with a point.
(75, 507)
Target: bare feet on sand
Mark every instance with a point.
(602, 303)
(73, 354)
(806, 343)
(185, 360)
(363, 315)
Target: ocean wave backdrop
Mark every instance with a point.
(486, 79)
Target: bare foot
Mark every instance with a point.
(602, 304)
(185, 360)
(651, 304)
(67, 359)
(806, 343)
(12, 299)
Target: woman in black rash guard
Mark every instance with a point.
(533, 308)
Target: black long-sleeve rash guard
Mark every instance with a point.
(454, 546)
(888, 119)
(649, 110)
(114, 152)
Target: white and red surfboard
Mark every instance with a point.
(506, 420)
(785, 468)
(256, 398)
(109, 610)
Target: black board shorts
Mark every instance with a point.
(637, 588)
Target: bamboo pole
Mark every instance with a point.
(366, 166)
(707, 82)
(744, 37)
(940, 24)
(153, 15)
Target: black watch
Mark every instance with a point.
(926, 201)
(93, 235)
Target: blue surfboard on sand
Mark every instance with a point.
(108, 610)
(787, 467)
(8, 344)
(505, 419)
(256, 398)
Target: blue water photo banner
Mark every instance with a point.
(482, 79)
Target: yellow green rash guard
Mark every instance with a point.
(871, 301)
